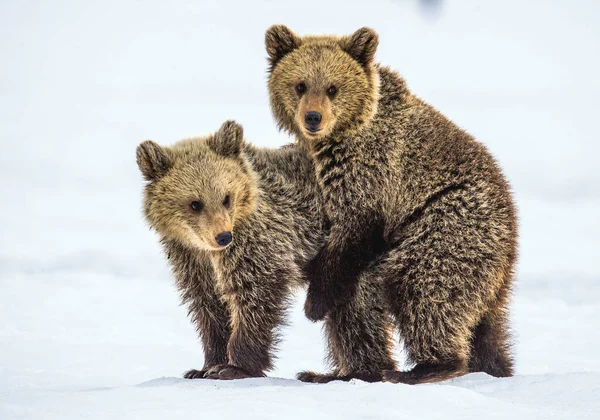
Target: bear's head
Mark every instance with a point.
(321, 86)
(199, 188)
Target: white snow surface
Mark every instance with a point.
(91, 325)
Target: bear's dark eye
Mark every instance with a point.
(332, 90)
(196, 206)
(226, 201)
(300, 88)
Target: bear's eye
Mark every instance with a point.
(196, 206)
(226, 201)
(300, 88)
(332, 90)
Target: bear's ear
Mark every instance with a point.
(280, 40)
(228, 141)
(153, 160)
(361, 45)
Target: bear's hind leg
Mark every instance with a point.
(434, 320)
(490, 346)
(445, 271)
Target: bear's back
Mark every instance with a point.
(290, 194)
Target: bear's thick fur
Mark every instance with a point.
(417, 207)
(236, 293)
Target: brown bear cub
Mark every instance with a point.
(418, 208)
(237, 223)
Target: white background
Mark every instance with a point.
(89, 318)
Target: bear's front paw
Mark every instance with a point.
(194, 374)
(317, 306)
(227, 372)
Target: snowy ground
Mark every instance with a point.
(91, 324)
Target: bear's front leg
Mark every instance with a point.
(325, 288)
(257, 298)
(333, 273)
(250, 348)
(215, 334)
(196, 281)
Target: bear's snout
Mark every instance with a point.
(313, 120)
(224, 238)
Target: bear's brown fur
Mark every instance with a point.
(417, 208)
(237, 293)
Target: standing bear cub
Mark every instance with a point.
(417, 208)
(237, 223)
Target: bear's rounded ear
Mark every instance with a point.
(153, 160)
(280, 40)
(229, 140)
(361, 45)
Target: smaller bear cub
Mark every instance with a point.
(237, 223)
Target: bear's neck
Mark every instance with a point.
(392, 95)
(249, 200)
(335, 155)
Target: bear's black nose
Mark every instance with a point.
(312, 120)
(224, 238)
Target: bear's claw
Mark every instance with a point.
(227, 372)
(323, 378)
(194, 374)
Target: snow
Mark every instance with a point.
(476, 395)
(91, 324)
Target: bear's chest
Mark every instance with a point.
(351, 176)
